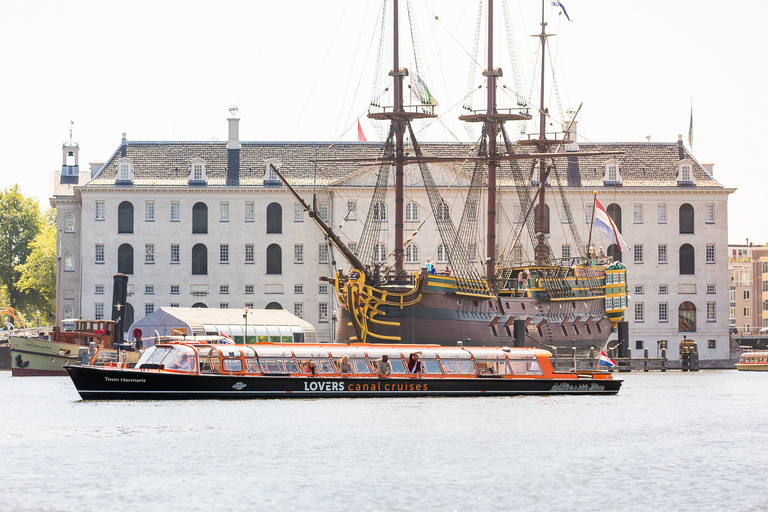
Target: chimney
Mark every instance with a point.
(123, 144)
(233, 150)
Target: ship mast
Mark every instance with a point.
(492, 120)
(399, 118)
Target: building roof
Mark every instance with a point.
(167, 164)
(202, 321)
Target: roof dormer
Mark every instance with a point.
(270, 177)
(685, 172)
(124, 175)
(197, 174)
(612, 172)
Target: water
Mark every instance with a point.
(667, 441)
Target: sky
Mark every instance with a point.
(303, 71)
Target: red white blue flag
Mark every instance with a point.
(606, 361)
(556, 3)
(605, 224)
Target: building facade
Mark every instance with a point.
(210, 224)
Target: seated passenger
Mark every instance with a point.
(414, 365)
(185, 363)
(385, 367)
(311, 369)
(344, 364)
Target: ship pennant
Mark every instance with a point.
(556, 3)
(420, 91)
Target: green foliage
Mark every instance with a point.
(38, 273)
(20, 222)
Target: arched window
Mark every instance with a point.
(199, 259)
(687, 265)
(380, 212)
(125, 217)
(546, 218)
(686, 219)
(614, 252)
(274, 305)
(69, 223)
(686, 317)
(443, 211)
(274, 218)
(68, 312)
(614, 211)
(411, 212)
(411, 253)
(274, 259)
(199, 305)
(200, 218)
(125, 259)
(379, 253)
(69, 262)
(442, 253)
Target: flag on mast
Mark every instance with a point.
(360, 134)
(605, 224)
(559, 4)
(690, 129)
(605, 360)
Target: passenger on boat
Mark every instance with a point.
(414, 365)
(344, 364)
(311, 368)
(384, 365)
(185, 363)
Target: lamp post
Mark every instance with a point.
(245, 334)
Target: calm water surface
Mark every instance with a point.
(668, 441)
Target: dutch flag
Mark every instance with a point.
(605, 224)
(605, 360)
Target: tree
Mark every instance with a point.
(19, 224)
(38, 273)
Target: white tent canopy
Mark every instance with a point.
(274, 325)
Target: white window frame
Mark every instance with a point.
(411, 212)
(638, 253)
(663, 254)
(322, 253)
(224, 211)
(69, 223)
(661, 213)
(175, 211)
(298, 253)
(250, 211)
(638, 213)
(298, 212)
(710, 253)
(99, 209)
(322, 312)
(99, 253)
(149, 211)
(351, 210)
(411, 253)
(711, 311)
(709, 213)
(223, 254)
(149, 254)
(639, 312)
(250, 253)
(663, 312)
(175, 254)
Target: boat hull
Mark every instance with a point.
(34, 357)
(752, 367)
(109, 383)
(443, 319)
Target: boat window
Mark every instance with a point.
(493, 366)
(346, 351)
(252, 365)
(309, 352)
(360, 366)
(431, 366)
(454, 353)
(233, 365)
(325, 366)
(180, 357)
(398, 366)
(209, 363)
(281, 365)
(230, 351)
(376, 353)
(525, 367)
(269, 351)
(153, 355)
(458, 366)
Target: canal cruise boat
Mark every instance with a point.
(753, 361)
(180, 370)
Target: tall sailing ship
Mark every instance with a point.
(555, 303)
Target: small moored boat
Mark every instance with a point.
(181, 370)
(753, 361)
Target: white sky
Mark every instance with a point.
(302, 70)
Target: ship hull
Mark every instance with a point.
(95, 383)
(34, 357)
(445, 318)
